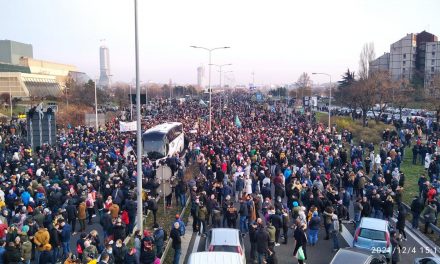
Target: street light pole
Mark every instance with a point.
(329, 98)
(138, 126)
(96, 108)
(220, 66)
(209, 81)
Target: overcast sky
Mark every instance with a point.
(278, 40)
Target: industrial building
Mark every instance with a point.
(24, 77)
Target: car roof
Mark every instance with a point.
(437, 260)
(225, 236)
(351, 255)
(374, 223)
(214, 258)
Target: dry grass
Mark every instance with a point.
(371, 133)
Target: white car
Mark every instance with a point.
(215, 258)
(225, 240)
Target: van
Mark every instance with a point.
(215, 258)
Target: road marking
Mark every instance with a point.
(196, 244)
(348, 237)
(422, 243)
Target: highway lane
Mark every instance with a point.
(322, 253)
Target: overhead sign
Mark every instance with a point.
(127, 126)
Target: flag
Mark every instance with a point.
(237, 122)
(127, 148)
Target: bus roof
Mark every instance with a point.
(163, 128)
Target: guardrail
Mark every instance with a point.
(170, 240)
(433, 227)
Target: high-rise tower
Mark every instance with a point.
(200, 76)
(104, 67)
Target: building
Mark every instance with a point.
(12, 51)
(381, 64)
(104, 67)
(34, 78)
(432, 61)
(415, 57)
(200, 76)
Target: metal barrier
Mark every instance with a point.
(433, 227)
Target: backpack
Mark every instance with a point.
(165, 235)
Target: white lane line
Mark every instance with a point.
(422, 243)
(348, 237)
(196, 244)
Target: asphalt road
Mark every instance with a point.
(414, 247)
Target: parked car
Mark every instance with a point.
(225, 240)
(358, 256)
(215, 258)
(374, 235)
(427, 260)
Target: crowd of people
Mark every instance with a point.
(272, 171)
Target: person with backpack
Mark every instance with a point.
(159, 235)
(152, 206)
(231, 215)
(181, 225)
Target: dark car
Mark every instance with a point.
(358, 256)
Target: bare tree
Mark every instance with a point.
(367, 54)
(402, 95)
(304, 85)
(381, 87)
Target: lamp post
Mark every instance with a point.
(220, 66)
(209, 80)
(138, 125)
(329, 97)
(96, 108)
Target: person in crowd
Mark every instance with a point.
(177, 242)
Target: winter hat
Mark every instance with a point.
(295, 204)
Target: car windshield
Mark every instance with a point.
(372, 234)
(222, 248)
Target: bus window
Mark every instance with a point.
(154, 145)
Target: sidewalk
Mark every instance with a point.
(186, 240)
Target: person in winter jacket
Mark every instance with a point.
(271, 231)
(106, 223)
(82, 216)
(177, 242)
(401, 217)
(395, 243)
(416, 209)
(26, 249)
(263, 241)
(90, 252)
(314, 225)
(429, 214)
(119, 252)
(159, 236)
(334, 231)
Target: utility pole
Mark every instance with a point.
(138, 126)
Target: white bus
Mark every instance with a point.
(163, 140)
